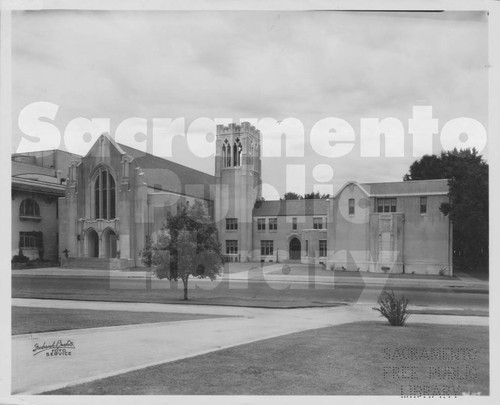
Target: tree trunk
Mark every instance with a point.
(185, 282)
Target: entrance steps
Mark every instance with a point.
(95, 263)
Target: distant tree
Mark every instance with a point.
(186, 246)
(316, 195)
(290, 195)
(468, 200)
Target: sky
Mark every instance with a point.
(301, 67)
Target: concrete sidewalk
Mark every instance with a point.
(103, 352)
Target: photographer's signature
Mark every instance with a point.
(56, 348)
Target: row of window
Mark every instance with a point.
(267, 247)
(232, 224)
(388, 205)
(231, 154)
(322, 248)
(273, 224)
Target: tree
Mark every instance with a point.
(186, 246)
(316, 195)
(468, 200)
(290, 195)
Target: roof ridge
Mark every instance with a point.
(404, 181)
(147, 154)
(45, 150)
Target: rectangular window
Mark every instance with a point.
(307, 248)
(294, 224)
(273, 224)
(27, 240)
(322, 248)
(261, 224)
(318, 223)
(351, 206)
(266, 247)
(231, 247)
(231, 224)
(386, 205)
(423, 205)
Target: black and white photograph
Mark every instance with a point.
(266, 201)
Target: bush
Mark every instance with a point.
(20, 259)
(394, 309)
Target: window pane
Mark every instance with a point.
(231, 246)
(112, 198)
(105, 191)
(351, 206)
(423, 205)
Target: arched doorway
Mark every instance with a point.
(92, 240)
(295, 248)
(109, 243)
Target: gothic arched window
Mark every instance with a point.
(226, 153)
(104, 195)
(237, 149)
(29, 208)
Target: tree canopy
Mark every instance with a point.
(290, 195)
(186, 246)
(467, 208)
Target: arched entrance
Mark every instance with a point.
(92, 240)
(109, 243)
(295, 248)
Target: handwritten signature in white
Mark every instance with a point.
(59, 344)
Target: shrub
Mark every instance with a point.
(20, 258)
(394, 309)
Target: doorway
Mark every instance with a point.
(92, 243)
(295, 247)
(109, 239)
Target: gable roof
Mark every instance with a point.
(170, 176)
(414, 187)
(291, 207)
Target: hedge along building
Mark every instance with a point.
(118, 197)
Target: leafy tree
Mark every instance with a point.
(186, 246)
(316, 195)
(468, 199)
(290, 195)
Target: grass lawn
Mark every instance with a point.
(316, 270)
(34, 320)
(341, 360)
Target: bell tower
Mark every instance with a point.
(238, 185)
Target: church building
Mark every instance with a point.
(116, 198)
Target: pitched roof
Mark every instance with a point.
(422, 187)
(291, 207)
(170, 176)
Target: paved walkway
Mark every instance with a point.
(103, 352)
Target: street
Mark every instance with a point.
(276, 293)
